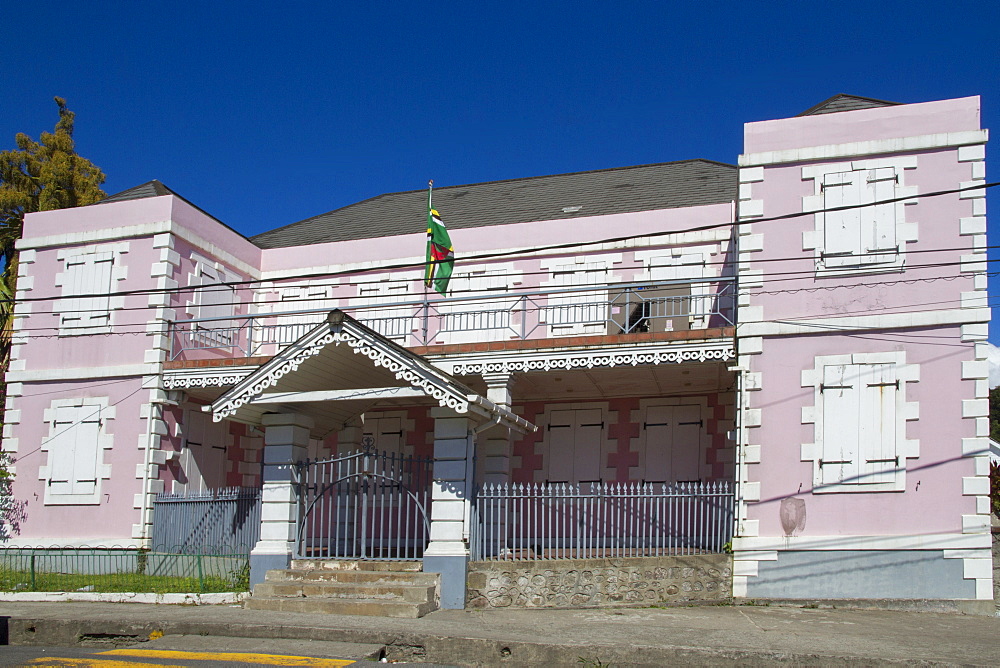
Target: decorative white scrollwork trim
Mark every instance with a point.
(596, 360)
(406, 366)
(183, 382)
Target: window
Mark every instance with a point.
(860, 422)
(214, 301)
(870, 233)
(866, 233)
(91, 273)
(483, 318)
(75, 446)
(575, 438)
(392, 322)
(301, 298)
(578, 312)
(674, 436)
(385, 433)
(203, 460)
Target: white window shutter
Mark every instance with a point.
(578, 312)
(87, 450)
(841, 229)
(587, 436)
(659, 444)
(687, 443)
(878, 423)
(87, 274)
(673, 443)
(880, 237)
(74, 450)
(386, 433)
(562, 450)
(841, 433)
(62, 451)
(217, 301)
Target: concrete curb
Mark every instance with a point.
(230, 598)
(424, 647)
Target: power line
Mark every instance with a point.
(227, 285)
(480, 294)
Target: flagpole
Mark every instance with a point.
(427, 304)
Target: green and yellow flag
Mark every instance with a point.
(440, 253)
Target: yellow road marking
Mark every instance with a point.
(244, 657)
(102, 663)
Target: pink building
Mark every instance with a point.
(776, 368)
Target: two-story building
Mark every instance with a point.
(777, 366)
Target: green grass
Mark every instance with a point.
(13, 580)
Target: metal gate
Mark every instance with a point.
(364, 505)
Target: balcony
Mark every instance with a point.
(593, 311)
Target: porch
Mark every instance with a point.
(639, 467)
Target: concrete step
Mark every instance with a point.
(333, 606)
(340, 590)
(358, 565)
(357, 577)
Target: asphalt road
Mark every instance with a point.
(200, 652)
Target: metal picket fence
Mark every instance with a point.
(121, 569)
(224, 518)
(600, 520)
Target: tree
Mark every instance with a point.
(36, 176)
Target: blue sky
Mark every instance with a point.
(267, 113)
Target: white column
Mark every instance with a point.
(496, 446)
(447, 552)
(286, 440)
(497, 443)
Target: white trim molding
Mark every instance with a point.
(851, 149)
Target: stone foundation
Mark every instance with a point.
(571, 583)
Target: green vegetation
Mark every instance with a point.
(39, 175)
(115, 582)
(121, 570)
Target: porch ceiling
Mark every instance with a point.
(631, 381)
(342, 358)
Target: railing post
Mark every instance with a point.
(425, 326)
(250, 324)
(33, 571)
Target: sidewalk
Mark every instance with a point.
(699, 635)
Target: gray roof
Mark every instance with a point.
(558, 197)
(844, 102)
(149, 189)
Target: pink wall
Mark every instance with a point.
(909, 120)
(114, 517)
(933, 500)
(796, 282)
(128, 343)
(481, 239)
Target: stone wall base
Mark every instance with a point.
(572, 583)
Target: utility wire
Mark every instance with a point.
(532, 250)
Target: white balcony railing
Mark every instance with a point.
(606, 310)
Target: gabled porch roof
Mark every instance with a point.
(342, 368)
